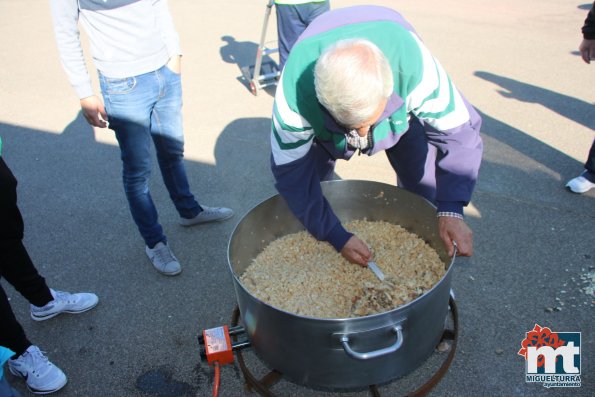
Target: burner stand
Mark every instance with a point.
(263, 385)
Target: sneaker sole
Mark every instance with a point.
(43, 318)
(47, 391)
(578, 191)
(170, 273)
(203, 222)
(32, 390)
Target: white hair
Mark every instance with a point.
(352, 78)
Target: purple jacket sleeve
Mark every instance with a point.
(299, 184)
(457, 165)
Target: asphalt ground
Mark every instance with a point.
(534, 258)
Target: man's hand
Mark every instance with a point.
(94, 111)
(455, 229)
(587, 50)
(356, 251)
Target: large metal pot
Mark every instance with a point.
(352, 352)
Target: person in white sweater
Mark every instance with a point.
(136, 50)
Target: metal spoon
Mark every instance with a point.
(376, 270)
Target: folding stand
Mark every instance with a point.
(262, 74)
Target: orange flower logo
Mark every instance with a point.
(538, 337)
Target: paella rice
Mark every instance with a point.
(301, 275)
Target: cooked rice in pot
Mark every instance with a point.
(301, 275)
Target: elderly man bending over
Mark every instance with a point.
(360, 79)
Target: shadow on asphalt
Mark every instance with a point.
(516, 162)
(243, 54)
(573, 109)
(242, 154)
(74, 157)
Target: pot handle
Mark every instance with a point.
(397, 329)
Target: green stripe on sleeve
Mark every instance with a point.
(447, 110)
(287, 127)
(290, 145)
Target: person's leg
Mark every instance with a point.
(586, 180)
(313, 10)
(413, 159)
(129, 102)
(15, 265)
(12, 334)
(168, 137)
(11, 221)
(18, 269)
(292, 20)
(590, 164)
(289, 27)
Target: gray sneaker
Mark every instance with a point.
(64, 302)
(208, 214)
(41, 375)
(163, 259)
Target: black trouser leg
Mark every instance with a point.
(16, 268)
(15, 264)
(590, 163)
(12, 334)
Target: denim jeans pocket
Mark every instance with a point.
(172, 71)
(114, 86)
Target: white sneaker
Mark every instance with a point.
(580, 184)
(64, 302)
(41, 375)
(208, 214)
(163, 259)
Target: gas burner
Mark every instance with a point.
(262, 385)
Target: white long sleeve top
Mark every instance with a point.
(126, 37)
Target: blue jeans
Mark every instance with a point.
(140, 109)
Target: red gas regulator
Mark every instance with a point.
(216, 347)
